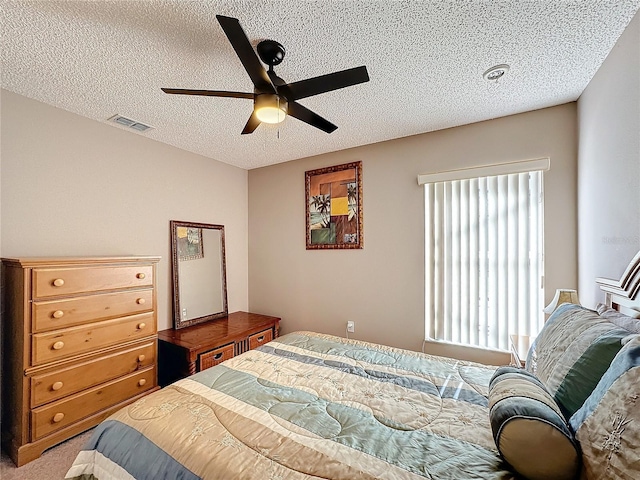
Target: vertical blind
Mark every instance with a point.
(483, 258)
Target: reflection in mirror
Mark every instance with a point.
(199, 272)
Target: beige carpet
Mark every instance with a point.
(52, 465)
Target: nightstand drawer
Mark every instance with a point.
(52, 282)
(56, 314)
(214, 357)
(51, 386)
(46, 420)
(260, 338)
(58, 344)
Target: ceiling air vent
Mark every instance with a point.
(127, 122)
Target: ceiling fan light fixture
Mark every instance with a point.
(270, 108)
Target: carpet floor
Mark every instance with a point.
(52, 465)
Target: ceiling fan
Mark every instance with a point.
(273, 98)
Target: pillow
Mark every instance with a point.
(510, 369)
(619, 319)
(572, 352)
(607, 426)
(528, 427)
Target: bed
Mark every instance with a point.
(308, 405)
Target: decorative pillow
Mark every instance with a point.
(607, 426)
(528, 427)
(572, 352)
(509, 369)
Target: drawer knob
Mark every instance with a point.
(141, 325)
(141, 358)
(57, 386)
(140, 276)
(58, 417)
(58, 282)
(141, 382)
(260, 339)
(58, 345)
(58, 314)
(140, 301)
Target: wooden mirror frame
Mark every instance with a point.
(178, 321)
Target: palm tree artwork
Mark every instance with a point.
(334, 201)
(352, 197)
(321, 213)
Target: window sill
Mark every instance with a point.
(486, 356)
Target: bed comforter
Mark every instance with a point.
(306, 406)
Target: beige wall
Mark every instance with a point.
(609, 166)
(74, 186)
(381, 287)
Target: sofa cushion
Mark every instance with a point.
(607, 426)
(572, 352)
(528, 427)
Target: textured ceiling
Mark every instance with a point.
(425, 60)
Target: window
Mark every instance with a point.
(483, 253)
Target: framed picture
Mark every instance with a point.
(333, 198)
(189, 243)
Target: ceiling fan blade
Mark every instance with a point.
(325, 83)
(252, 124)
(246, 53)
(303, 113)
(208, 93)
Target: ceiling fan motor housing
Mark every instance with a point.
(270, 52)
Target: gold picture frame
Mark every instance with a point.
(333, 207)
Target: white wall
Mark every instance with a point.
(381, 287)
(73, 186)
(609, 166)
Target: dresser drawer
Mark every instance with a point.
(58, 344)
(49, 282)
(260, 338)
(216, 356)
(56, 314)
(57, 384)
(46, 420)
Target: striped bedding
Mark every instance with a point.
(306, 406)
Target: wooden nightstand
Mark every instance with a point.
(186, 351)
(519, 349)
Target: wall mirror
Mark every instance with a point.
(199, 273)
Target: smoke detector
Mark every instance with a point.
(496, 72)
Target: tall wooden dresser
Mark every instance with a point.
(79, 342)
